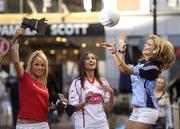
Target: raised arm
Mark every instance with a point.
(118, 55)
(122, 46)
(15, 52)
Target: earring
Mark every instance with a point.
(154, 52)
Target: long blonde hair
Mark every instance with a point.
(38, 54)
(164, 52)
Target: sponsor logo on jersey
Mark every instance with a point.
(96, 99)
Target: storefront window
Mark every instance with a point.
(49, 6)
(2, 5)
(166, 5)
(174, 39)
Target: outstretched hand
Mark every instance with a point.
(110, 47)
(19, 31)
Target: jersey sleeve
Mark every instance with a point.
(148, 71)
(74, 93)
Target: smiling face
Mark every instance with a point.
(148, 49)
(38, 67)
(90, 62)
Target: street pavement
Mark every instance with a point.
(64, 123)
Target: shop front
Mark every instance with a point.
(63, 43)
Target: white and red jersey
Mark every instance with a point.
(92, 115)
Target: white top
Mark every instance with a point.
(164, 109)
(92, 115)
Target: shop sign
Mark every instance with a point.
(9, 30)
(70, 29)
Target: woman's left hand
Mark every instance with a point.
(107, 89)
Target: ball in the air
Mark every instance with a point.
(109, 17)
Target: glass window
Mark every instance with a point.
(166, 5)
(49, 6)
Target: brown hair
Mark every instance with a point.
(82, 73)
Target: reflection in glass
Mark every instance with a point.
(49, 6)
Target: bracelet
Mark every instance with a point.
(113, 52)
(121, 51)
(84, 104)
(15, 46)
(120, 64)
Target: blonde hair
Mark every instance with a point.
(162, 77)
(38, 54)
(164, 52)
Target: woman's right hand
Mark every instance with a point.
(19, 31)
(88, 96)
(109, 46)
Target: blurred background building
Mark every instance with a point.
(74, 27)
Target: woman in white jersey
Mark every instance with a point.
(157, 55)
(91, 95)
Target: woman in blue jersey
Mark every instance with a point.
(157, 55)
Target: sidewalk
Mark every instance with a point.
(65, 123)
(114, 122)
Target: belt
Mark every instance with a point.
(137, 106)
